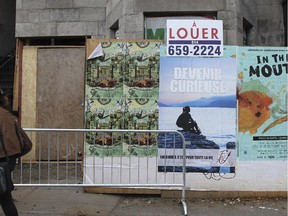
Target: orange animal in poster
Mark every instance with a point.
(253, 110)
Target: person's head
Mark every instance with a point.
(186, 109)
(4, 101)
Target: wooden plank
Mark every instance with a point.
(17, 71)
(110, 190)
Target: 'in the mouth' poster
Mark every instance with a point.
(262, 103)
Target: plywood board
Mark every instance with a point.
(28, 97)
(29, 75)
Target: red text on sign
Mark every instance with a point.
(194, 33)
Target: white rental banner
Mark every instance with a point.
(195, 38)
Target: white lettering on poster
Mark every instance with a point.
(201, 80)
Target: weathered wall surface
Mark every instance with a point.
(270, 23)
(133, 12)
(49, 18)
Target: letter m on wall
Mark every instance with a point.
(159, 34)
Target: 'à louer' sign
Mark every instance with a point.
(195, 38)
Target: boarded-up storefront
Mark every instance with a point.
(52, 92)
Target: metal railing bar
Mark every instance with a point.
(171, 186)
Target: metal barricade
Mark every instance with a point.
(98, 158)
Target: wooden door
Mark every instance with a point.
(60, 94)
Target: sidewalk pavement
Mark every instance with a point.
(70, 201)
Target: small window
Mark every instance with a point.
(114, 30)
(246, 32)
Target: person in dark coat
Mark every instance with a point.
(12, 145)
(186, 122)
